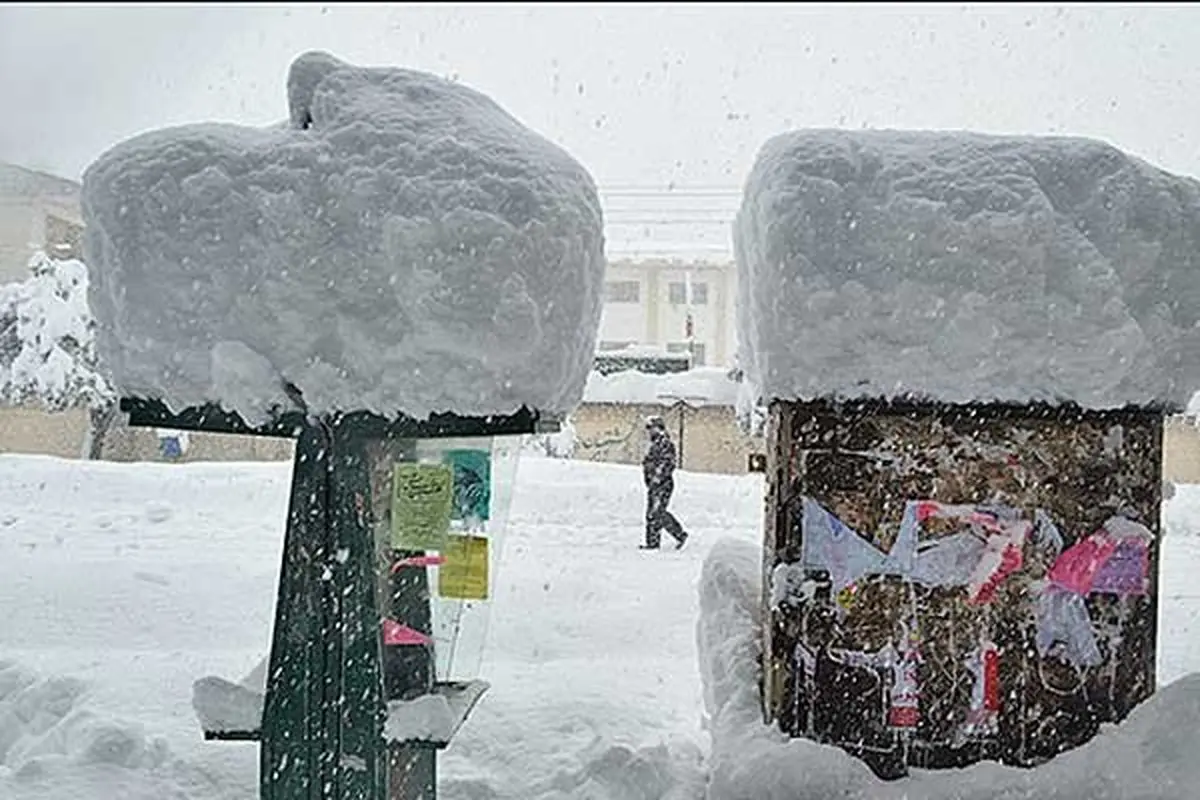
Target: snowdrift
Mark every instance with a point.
(1150, 754)
(44, 721)
(402, 244)
(961, 267)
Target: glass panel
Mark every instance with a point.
(472, 525)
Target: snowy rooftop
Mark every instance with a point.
(962, 267)
(402, 244)
(701, 386)
(17, 181)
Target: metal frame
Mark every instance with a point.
(330, 677)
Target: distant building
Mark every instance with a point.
(38, 211)
(660, 241)
(647, 303)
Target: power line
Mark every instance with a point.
(662, 192)
(667, 222)
(674, 185)
(671, 212)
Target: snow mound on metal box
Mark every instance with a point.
(402, 244)
(962, 267)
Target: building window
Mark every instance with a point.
(622, 291)
(697, 351)
(677, 293)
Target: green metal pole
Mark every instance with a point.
(289, 759)
(322, 732)
(355, 701)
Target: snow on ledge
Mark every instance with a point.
(403, 244)
(700, 386)
(961, 267)
(433, 717)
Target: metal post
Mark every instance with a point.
(330, 676)
(291, 727)
(682, 404)
(322, 729)
(682, 409)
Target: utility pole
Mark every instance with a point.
(682, 404)
(689, 325)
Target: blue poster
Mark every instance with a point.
(472, 484)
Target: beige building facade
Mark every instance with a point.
(1181, 450)
(707, 437)
(647, 301)
(605, 432)
(712, 441)
(37, 212)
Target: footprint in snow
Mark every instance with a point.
(158, 514)
(150, 577)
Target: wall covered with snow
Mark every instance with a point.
(402, 244)
(964, 267)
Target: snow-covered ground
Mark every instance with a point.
(121, 584)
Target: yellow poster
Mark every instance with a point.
(464, 574)
(422, 498)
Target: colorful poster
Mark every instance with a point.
(472, 484)
(422, 495)
(1126, 569)
(1114, 559)
(1064, 627)
(464, 575)
(828, 543)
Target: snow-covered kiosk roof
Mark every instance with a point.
(400, 245)
(958, 267)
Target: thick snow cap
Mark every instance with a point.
(960, 267)
(401, 245)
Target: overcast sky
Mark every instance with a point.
(641, 95)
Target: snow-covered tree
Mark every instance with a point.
(47, 345)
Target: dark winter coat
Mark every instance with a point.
(658, 466)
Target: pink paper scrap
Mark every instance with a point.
(396, 634)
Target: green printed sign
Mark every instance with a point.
(472, 483)
(422, 497)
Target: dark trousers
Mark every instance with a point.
(658, 495)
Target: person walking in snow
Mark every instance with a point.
(658, 470)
